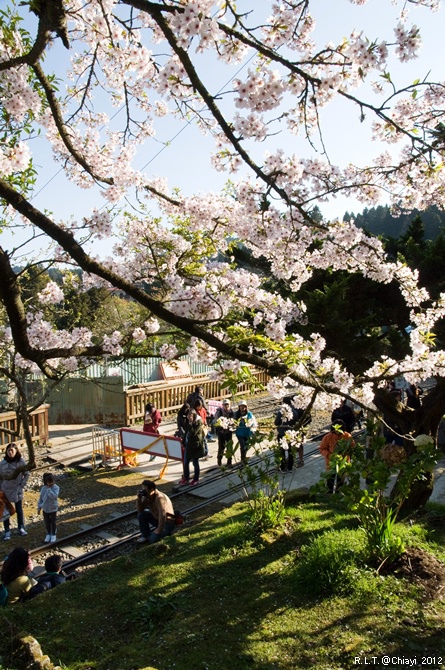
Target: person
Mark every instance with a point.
(49, 504)
(194, 448)
(192, 399)
(13, 488)
(202, 413)
(392, 431)
(413, 393)
(152, 419)
(345, 414)
(15, 574)
(154, 509)
(246, 427)
(285, 420)
(181, 421)
(54, 576)
(225, 424)
(327, 447)
(197, 394)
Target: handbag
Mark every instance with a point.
(7, 508)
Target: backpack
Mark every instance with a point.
(3, 595)
(179, 518)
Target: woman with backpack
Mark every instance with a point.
(194, 448)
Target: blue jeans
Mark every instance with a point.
(146, 521)
(20, 519)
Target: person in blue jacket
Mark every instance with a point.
(247, 425)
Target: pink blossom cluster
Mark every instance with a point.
(408, 42)
(261, 91)
(139, 335)
(14, 159)
(195, 22)
(100, 223)
(168, 351)
(18, 96)
(289, 24)
(51, 294)
(151, 326)
(112, 343)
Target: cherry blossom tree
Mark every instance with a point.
(174, 252)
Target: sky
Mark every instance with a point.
(185, 161)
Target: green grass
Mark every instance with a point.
(214, 597)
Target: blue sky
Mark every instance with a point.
(185, 161)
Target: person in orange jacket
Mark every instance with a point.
(327, 447)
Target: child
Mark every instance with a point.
(53, 577)
(49, 504)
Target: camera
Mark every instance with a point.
(142, 493)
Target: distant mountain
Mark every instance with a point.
(380, 221)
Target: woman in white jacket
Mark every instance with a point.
(13, 487)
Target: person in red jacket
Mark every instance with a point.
(152, 419)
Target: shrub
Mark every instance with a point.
(330, 564)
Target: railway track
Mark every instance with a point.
(117, 535)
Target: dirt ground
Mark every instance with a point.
(422, 569)
(85, 498)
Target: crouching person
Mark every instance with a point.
(156, 515)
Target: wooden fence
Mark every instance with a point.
(168, 397)
(38, 426)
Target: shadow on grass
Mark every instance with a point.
(213, 598)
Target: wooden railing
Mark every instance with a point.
(168, 397)
(38, 426)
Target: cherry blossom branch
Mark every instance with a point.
(9, 294)
(62, 128)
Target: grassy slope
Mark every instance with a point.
(212, 598)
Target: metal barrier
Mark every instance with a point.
(107, 445)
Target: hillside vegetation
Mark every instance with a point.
(216, 596)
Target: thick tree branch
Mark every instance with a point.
(88, 264)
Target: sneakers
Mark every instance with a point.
(183, 481)
(7, 535)
(53, 538)
(22, 531)
(300, 464)
(47, 538)
(142, 539)
(194, 482)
